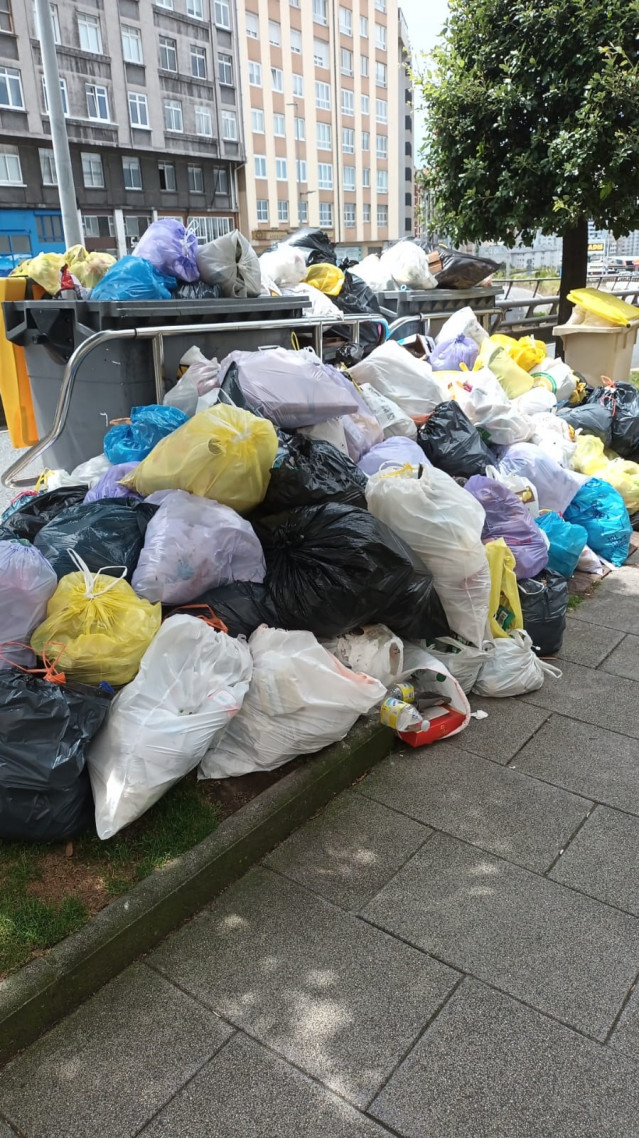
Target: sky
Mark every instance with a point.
(425, 19)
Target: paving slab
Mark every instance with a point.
(625, 1037)
(587, 644)
(615, 602)
(499, 809)
(107, 1069)
(349, 850)
(247, 1092)
(598, 764)
(503, 733)
(6, 1131)
(624, 660)
(339, 998)
(603, 859)
(490, 1068)
(591, 696)
(563, 953)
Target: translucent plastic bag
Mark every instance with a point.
(292, 389)
(168, 246)
(505, 607)
(88, 268)
(44, 269)
(514, 380)
(91, 471)
(27, 583)
(507, 517)
(361, 429)
(449, 355)
(191, 683)
(555, 376)
(462, 323)
(526, 352)
(443, 525)
(223, 453)
(373, 273)
(463, 661)
(513, 669)
(389, 415)
(521, 487)
(374, 651)
(537, 401)
(556, 487)
(285, 266)
(600, 509)
(193, 544)
(483, 399)
(230, 262)
(300, 699)
(198, 381)
(395, 451)
(104, 627)
(332, 431)
(131, 442)
(110, 485)
(396, 374)
(134, 278)
(567, 543)
(327, 278)
(407, 264)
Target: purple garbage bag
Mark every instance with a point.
(108, 486)
(168, 246)
(451, 354)
(508, 517)
(361, 429)
(397, 450)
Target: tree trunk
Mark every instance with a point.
(574, 265)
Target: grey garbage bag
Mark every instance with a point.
(232, 263)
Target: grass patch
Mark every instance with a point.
(574, 602)
(634, 378)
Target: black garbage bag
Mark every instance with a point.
(231, 392)
(37, 511)
(462, 270)
(313, 471)
(591, 418)
(332, 568)
(322, 250)
(544, 600)
(197, 290)
(450, 441)
(242, 606)
(356, 298)
(106, 534)
(45, 793)
(622, 400)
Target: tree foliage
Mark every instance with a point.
(532, 118)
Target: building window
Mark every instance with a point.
(282, 211)
(382, 215)
(195, 8)
(221, 180)
(348, 140)
(382, 146)
(274, 33)
(364, 66)
(48, 228)
(363, 27)
(380, 5)
(408, 150)
(345, 21)
(366, 177)
(348, 102)
(366, 140)
(98, 225)
(196, 179)
(408, 174)
(381, 110)
(365, 105)
(319, 12)
(10, 169)
(298, 85)
(47, 168)
(45, 101)
(173, 116)
(262, 209)
(380, 37)
(346, 61)
(257, 121)
(349, 215)
(132, 173)
(408, 122)
(279, 126)
(349, 177)
(277, 79)
(252, 25)
(326, 214)
(168, 54)
(6, 20)
(324, 139)
(203, 122)
(10, 88)
(281, 169)
(294, 3)
(322, 96)
(208, 228)
(229, 126)
(302, 213)
(366, 211)
(167, 176)
(408, 199)
(92, 172)
(408, 225)
(138, 109)
(320, 53)
(325, 176)
(296, 41)
(165, 4)
(301, 170)
(198, 64)
(260, 165)
(255, 74)
(131, 44)
(222, 14)
(380, 75)
(97, 102)
(89, 33)
(300, 129)
(382, 181)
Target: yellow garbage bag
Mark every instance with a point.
(104, 626)
(223, 453)
(88, 268)
(43, 269)
(527, 352)
(590, 458)
(514, 380)
(505, 612)
(327, 278)
(603, 304)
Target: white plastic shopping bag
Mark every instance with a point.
(512, 668)
(375, 650)
(398, 375)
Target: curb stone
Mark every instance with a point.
(50, 987)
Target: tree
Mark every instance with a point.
(532, 122)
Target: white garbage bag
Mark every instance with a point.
(462, 323)
(91, 471)
(375, 650)
(371, 271)
(27, 582)
(443, 524)
(434, 674)
(556, 376)
(483, 399)
(199, 380)
(321, 305)
(285, 265)
(389, 415)
(191, 683)
(537, 401)
(407, 264)
(332, 431)
(300, 699)
(398, 375)
(512, 668)
(463, 661)
(555, 486)
(291, 388)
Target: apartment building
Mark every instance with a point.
(325, 117)
(150, 93)
(405, 172)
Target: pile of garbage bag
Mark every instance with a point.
(283, 546)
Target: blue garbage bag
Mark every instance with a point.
(567, 542)
(601, 510)
(134, 278)
(131, 442)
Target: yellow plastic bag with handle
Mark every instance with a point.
(590, 458)
(104, 626)
(504, 613)
(44, 269)
(526, 352)
(327, 278)
(223, 453)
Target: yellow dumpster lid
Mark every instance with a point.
(605, 304)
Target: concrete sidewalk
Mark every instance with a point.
(449, 951)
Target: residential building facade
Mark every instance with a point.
(150, 93)
(406, 156)
(325, 116)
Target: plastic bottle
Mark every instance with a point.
(399, 715)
